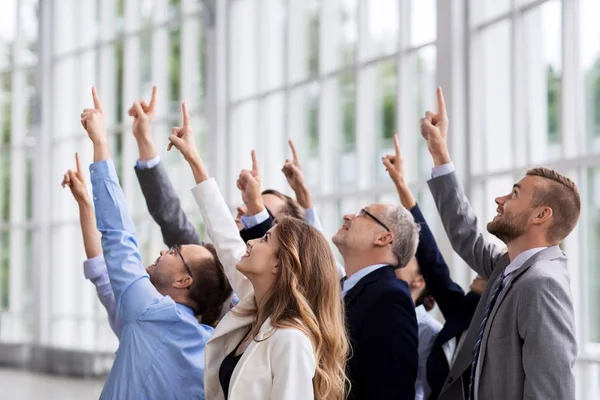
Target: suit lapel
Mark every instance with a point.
(546, 254)
(353, 294)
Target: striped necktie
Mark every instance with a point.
(477, 348)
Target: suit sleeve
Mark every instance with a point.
(258, 231)
(547, 328)
(294, 365)
(389, 349)
(460, 224)
(165, 207)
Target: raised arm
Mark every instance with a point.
(218, 220)
(434, 269)
(130, 282)
(458, 217)
(162, 201)
(94, 268)
(295, 177)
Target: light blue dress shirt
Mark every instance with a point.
(95, 270)
(161, 351)
(429, 328)
(357, 276)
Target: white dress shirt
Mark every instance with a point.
(429, 328)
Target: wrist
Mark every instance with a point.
(84, 202)
(146, 148)
(303, 197)
(255, 207)
(441, 157)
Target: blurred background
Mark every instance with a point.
(339, 77)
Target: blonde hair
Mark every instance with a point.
(306, 295)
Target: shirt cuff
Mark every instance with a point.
(442, 170)
(94, 267)
(102, 170)
(148, 164)
(250, 221)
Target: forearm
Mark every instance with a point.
(198, 169)
(146, 148)
(101, 151)
(303, 197)
(91, 236)
(406, 197)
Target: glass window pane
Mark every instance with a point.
(314, 28)
(29, 29)
(5, 178)
(423, 22)
(119, 67)
(544, 78)
(5, 108)
(485, 10)
(244, 50)
(272, 52)
(382, 24)
(425, 96)
(145, 60)
(493, 104)
(4, 269)
(174, 69)
(593, 272)
(349, 31)
(590, 70)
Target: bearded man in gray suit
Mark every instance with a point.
(521, 342)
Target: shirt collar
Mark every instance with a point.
(521, 259)
(358, 275)
(185, 309)
(420, 311)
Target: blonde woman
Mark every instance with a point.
(286, 338)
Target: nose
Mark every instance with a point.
(349, 217)
(500, 200)
(163, 252)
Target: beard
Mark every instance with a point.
(508, 227)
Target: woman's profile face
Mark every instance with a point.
(261, 258)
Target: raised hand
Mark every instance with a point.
(434, 128)
(394, 164)
(295, 177)
(183, 138)
(76, 182)
(93, 121)
(143, 114)
(249, 184)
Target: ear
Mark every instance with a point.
(541, 215)
(418, 282)
(275, 268)
(383, 239)
(183, 283)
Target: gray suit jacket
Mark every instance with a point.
(528, 348)
(165, 207)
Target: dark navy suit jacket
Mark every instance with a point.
(384, 337)
(457, 308)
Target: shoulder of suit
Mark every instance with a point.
(546, 270)
(290, 335)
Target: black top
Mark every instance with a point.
(227, 367)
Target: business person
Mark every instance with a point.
(286, 338)
(379, 309)
(161, 351)
(163, 202)
(432, 273)
(521, 341)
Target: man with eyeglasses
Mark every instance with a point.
(379, 309)
(161, 350)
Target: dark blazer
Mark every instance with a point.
(165, 208)
(383, 334)
(457, 308)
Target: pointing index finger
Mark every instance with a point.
(153, 98)
(255, 168)
(294, 152)
(441, 102)
(186, 116)
(97, 104)
(397, 146)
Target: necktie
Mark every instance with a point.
(486, 314)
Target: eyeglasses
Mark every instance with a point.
(177, 249)
(374, 218)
